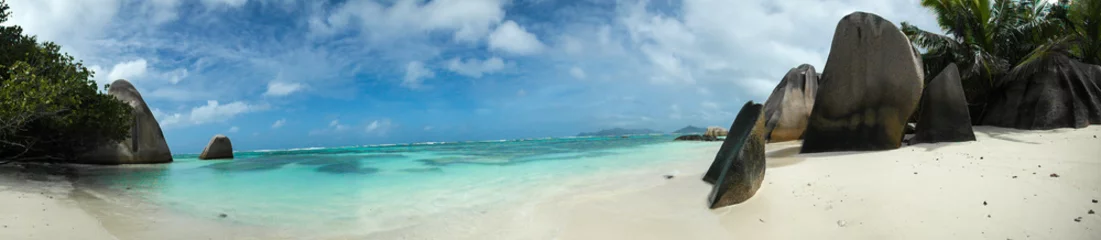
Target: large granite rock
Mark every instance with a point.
(1064, 93)
(739, 166)
(788, 108)
(696, 137)
(146, 142)
(944, 115)
(715, 132)
(869, 88)
(219, 147)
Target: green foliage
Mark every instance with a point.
(49, 106)
(988, 39)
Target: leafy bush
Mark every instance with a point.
(50, 109)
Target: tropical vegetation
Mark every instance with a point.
(988, 39)
(50, 108)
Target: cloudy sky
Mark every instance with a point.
(286, 73)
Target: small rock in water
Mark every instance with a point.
(841, 223)
(668, 176)
(1053, 175)
(1078, 219)
(1091, 211)
(984, 203)
(980, 158)
(1095, 201)
(223, 215)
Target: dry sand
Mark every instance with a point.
(999, 187)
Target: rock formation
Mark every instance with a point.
(871, 85)
(739, 166)
(715, 132)
(788, 108)
(146, 142)
(944, 116)
(696, 137)
(219, 147)
(1064, 93)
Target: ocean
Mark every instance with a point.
(359, 190)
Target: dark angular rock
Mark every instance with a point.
(789, 106)
(1063, 93)
(870, 86)
(219, 147)
(739, 166)
(696, 137)
(944, 116)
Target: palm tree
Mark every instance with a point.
(1079, 33)
(984, 39)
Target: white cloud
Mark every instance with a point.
(467, 20)
(428, 128)
(65, 22)
(233, 129)
(224, 3)
(511, 38)
(379, 127)
(175, 76)
(475, 68)
(577, 73)
(162, 11)
(521, 93)
(279, 123)
(280, 89)
(132, 70)
(415, 73)
(215, 112)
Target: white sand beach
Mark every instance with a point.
(999, 187)
(40, 207)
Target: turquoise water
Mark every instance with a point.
(372, 188)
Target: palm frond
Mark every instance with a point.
(928, 40)
(1042, 57)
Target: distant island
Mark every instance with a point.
(691, 129)
(618, 132)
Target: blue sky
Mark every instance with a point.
(275, 74)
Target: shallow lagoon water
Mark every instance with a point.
(358, 190)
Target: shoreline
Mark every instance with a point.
(925, 191)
